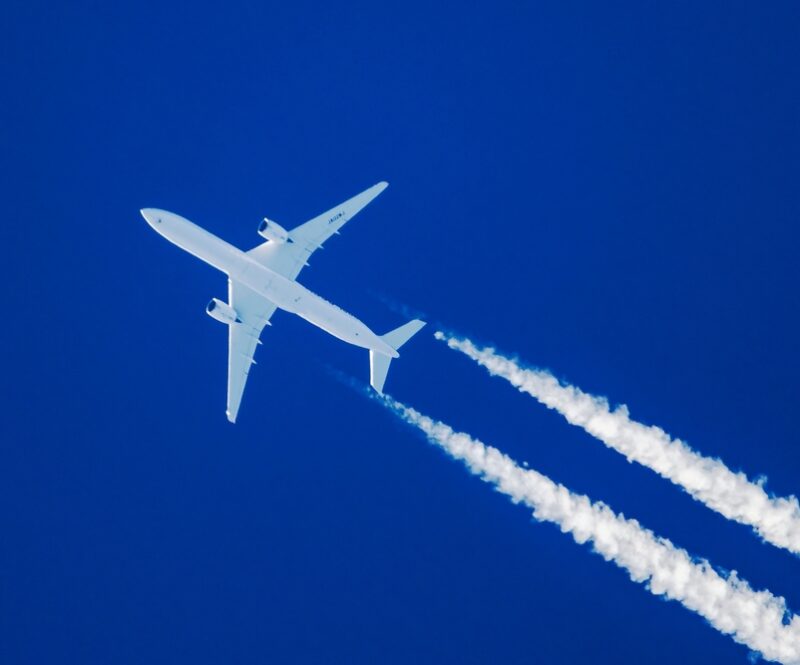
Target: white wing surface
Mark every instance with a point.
(289, 258)
(254, 312)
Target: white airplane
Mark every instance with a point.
(263, 280)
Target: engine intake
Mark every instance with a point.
(222, 312)
(274, 232)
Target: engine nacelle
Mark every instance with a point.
(222, 312)
(273, 231)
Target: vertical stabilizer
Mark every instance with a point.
(379, 362)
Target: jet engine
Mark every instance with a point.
(273, 231)
(221, 311)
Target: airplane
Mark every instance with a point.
(265, 279)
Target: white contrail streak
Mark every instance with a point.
(775, 519)
(756, 619)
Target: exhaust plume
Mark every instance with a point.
(708, 480)
(756, 619)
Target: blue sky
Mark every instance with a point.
(607, 189)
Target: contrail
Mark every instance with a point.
(775, 519)
(756, 619)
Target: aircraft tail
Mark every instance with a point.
(379, 362)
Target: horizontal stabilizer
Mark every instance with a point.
(379, 362)
(378, 370)
(401, 335)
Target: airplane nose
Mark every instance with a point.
(151, 215)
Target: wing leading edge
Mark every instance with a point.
(254, 312)
(289, 258)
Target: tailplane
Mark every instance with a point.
(379, 362)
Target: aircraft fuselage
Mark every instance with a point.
(286, 294)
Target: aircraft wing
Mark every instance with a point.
(254, 312)
(289, 258)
